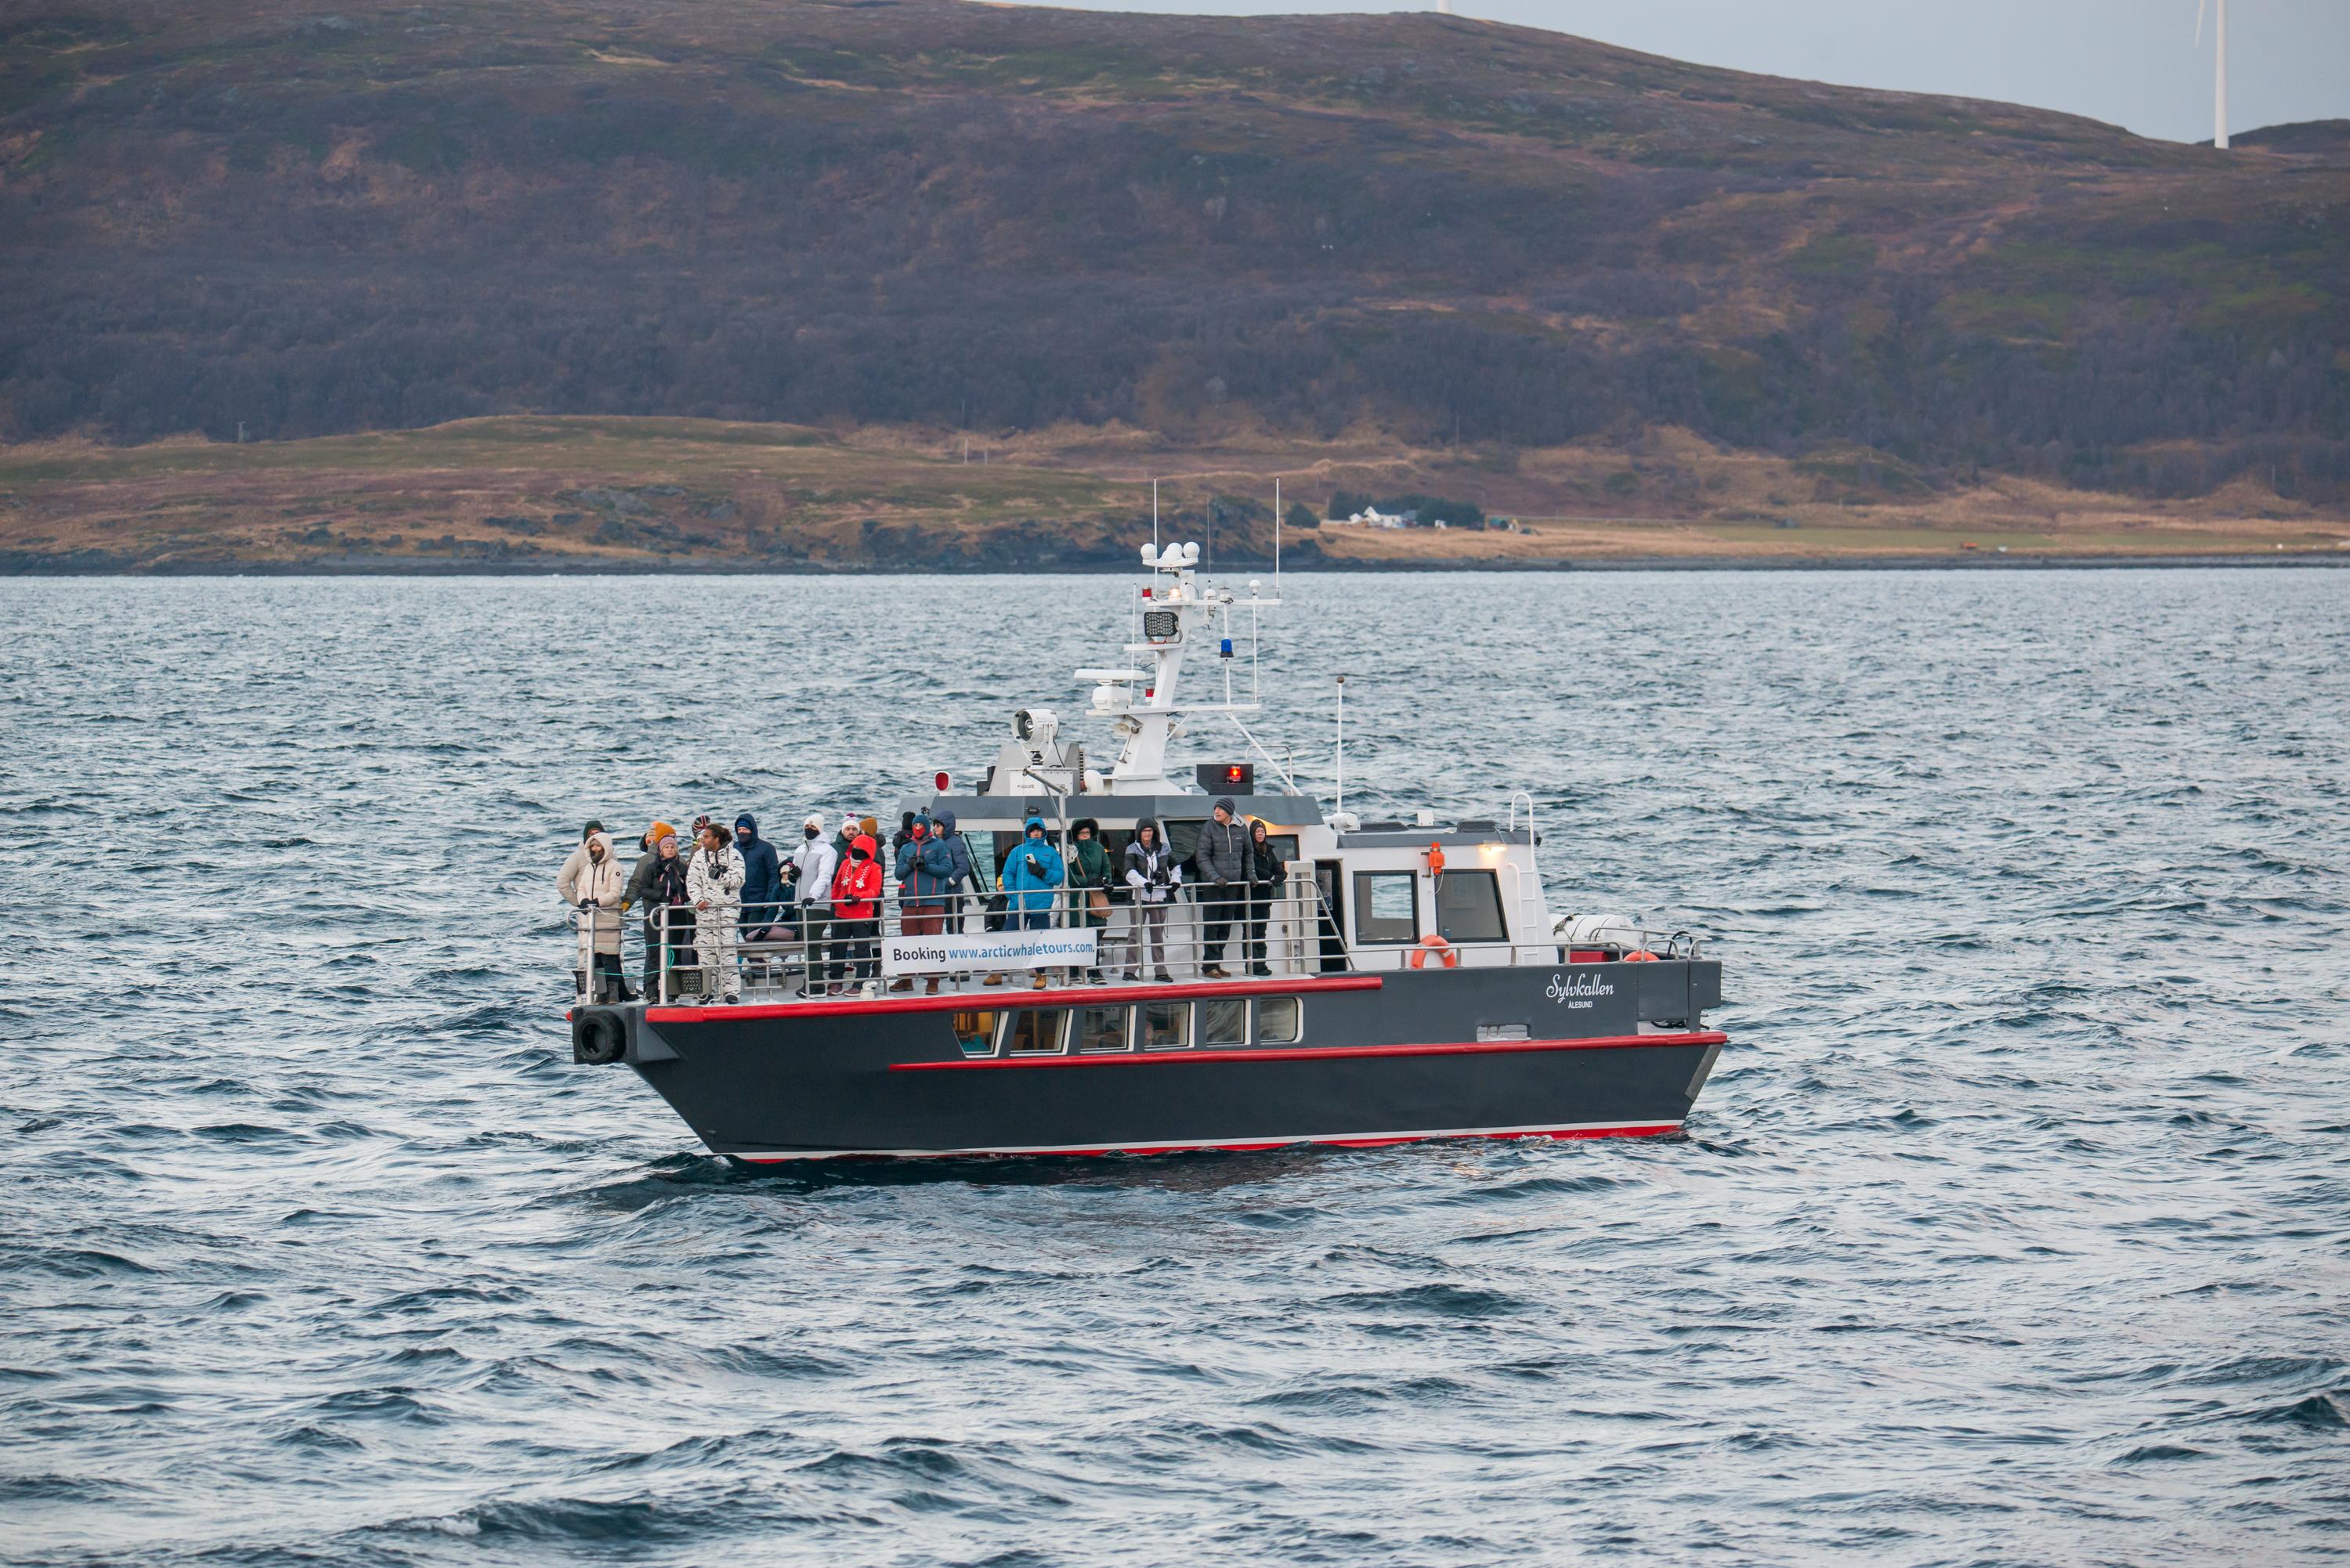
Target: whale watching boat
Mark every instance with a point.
(1399, 982)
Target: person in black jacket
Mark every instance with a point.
(641, 894)
(674, 906)
(1267, 870)
(763, 880)
(1221, 862)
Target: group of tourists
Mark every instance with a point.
(708, 893)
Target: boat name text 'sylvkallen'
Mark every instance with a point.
(1578, 991)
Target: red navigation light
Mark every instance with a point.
(1235, 773)
(941, 782)
(1145, 593)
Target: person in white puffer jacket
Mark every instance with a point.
(714, 882)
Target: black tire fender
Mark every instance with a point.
(597, 1039)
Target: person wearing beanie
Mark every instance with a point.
(1221, 862)
(762, 879)
(813, 866)
(643, 884)
(846, 836)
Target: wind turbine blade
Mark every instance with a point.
(2199, 5)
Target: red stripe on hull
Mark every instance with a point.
(1656, 1129)
(1010, 996)
(1313, 1053)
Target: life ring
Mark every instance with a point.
(1641, 955)
(1438, 946)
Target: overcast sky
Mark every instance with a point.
(2131, 62)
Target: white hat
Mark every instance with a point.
(815, 820)
(851, 824)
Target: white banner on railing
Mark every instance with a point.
(956, 951)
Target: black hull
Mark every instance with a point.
(1611, 1050)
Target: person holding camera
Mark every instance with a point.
(1152, 876)
(714, 882)
(1032, 873)
(857, 917)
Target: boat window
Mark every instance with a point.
(1277, 1021)
(1386, 906)
(1103, 1028)
(975, 1032)
(1224, 1021)
(982, 855)
(1468, 906)
(1183, 836)
(1166, 1025)
(1034, 1031)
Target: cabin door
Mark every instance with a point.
(1326, 877)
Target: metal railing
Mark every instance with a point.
(674, 953)
(793, 951)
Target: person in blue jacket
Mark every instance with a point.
(1031, 872)
(926, 871)
(963, 877)
(762, 879)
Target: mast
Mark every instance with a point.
(1143, 697)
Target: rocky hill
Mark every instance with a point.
(228, 215)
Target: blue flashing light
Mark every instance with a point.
(1227, 649)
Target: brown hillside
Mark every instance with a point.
(919, 213)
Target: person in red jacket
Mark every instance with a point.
(856, 915)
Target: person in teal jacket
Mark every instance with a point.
(1030, 873)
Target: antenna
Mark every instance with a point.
(1341, 803)
(2219, 68)
(1276, 537)
(1154, 517)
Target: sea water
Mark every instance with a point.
(2010, 1229)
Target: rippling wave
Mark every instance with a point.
(2014, 1225)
